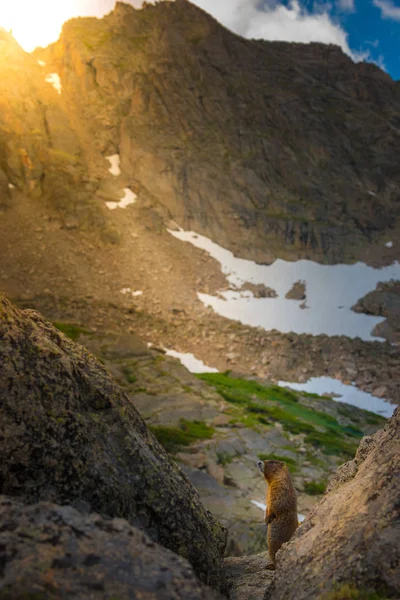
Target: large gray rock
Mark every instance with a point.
(53, 552)
(69, 434)
(351, 540)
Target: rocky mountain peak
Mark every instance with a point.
(235, 129)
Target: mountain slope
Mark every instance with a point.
(191, 108)
(288, 148)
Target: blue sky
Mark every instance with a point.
(365, 29)
(369, 29)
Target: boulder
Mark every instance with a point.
(297, 292)
(49, 552)
(68, 434)
(259, 290)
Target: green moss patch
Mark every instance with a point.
(71, 330)
(129, 374)
(314, 488)
(347, 591)
(173, 438)
(224, 458)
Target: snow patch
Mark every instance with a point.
(41, 63)
(331, 292)
(114, 162)
(259, 505)
(55, 81)
(343, 393)
(129, 198)
(193, 364)
(389, 244)
(127, 291)
(263, 507)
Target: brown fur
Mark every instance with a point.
(281, 515)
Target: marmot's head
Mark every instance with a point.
(271, 468)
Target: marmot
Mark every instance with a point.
(281, 514)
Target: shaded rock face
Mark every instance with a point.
(289, 148)
(69, 434)
(50, 552)
(351, 540)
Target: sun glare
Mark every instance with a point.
(39, 23)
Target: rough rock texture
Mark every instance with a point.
(269, 148)
(69, 434)
(247, 577)
(352, 537)
(53, 552)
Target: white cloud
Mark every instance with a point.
(347, 5)
(275, 21)
(379, 62)
(373, 43)
(389, 10)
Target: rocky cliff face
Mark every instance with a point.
(288, 147)
(70, 435)
(40, 152)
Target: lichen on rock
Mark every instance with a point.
(49, 551)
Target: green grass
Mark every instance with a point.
(373, 419)
(317, 462)
(331, 445)
(348, 591)
(314, 487)
(291, 463)
(224, 458)
(255, 405)
(129, 374)
(71, 330)
(174, 438)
